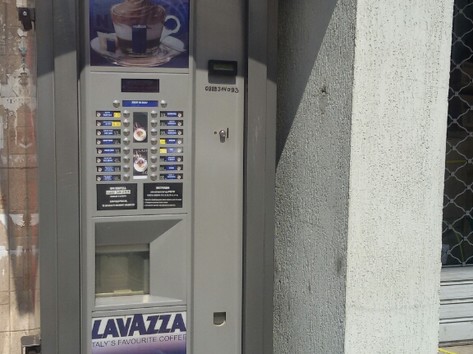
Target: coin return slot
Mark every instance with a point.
(220, 318)
(122, 270)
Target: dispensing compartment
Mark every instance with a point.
(121, 270)
(140, 260)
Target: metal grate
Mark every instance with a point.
(457, 248)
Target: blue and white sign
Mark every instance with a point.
(139, 103)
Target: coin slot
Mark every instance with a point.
(220, 318)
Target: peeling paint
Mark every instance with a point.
(3, 252)
(34, 219)
(17, 160)
(19, 219)
(14, 93)
(21, 251)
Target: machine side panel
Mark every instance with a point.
(59, 176)
(218, 203)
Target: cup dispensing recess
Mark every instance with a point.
(122, 270)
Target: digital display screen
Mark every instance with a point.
(140, 85)
(139, 103)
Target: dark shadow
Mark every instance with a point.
(302, 28)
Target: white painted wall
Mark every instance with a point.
(361, 138)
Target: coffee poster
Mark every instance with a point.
(139, 33)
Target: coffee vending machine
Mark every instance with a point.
(156, 153)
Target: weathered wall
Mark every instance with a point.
(18, 183)
(396, 179)
(361, 137)
(316, 53)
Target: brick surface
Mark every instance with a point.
(19, 292)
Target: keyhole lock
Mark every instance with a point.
(223, 134)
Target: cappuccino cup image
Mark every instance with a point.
(139, 26)
(140, 164)
(139, 134)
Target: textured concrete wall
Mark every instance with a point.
(316, 47)
(396, 180)
(361, 136)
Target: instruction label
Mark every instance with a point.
(116, 196)
(162, 195)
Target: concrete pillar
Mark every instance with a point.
(361, 136)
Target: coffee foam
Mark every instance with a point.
(138, 12)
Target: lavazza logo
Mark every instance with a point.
(138, 325)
